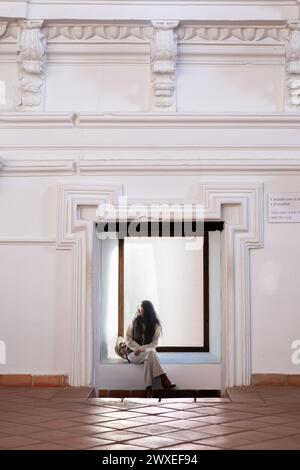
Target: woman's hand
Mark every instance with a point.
(138, 351)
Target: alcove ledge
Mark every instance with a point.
(176, 358)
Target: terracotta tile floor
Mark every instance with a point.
(54, 419)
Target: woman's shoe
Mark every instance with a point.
(165, 382)
(149, 392)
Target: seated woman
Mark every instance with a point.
(142, 338)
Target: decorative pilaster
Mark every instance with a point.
(163, 65)
(293, 63)
(32, 61)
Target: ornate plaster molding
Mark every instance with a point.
(3, 28)
(239, 239)
(105, 10)
(235, 34)
(9, 31)
(32, 61)
(163, 63)
(239, 33)
(76, 233)
(293, 63)
(84, 32)
(106, 32)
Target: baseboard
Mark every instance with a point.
(28, 380)
(276, 379)
(160, 393)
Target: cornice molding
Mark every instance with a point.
(143, 9)
(233, 34)
(149, 120)
(38, 167)
(105, 32)
(36, 120)
(180, 166)
(149, 166)
(169, 120)
(200, 33)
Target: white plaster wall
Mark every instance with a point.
(29, 207)
(230, 88)
(35, 306)
(111, 88)
(35, 280)
(275, 291)
(200, 88)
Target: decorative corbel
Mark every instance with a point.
(163, 64)
(293, 63)
(32, 62)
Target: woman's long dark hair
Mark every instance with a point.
(150, 321)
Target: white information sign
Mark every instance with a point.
(284, 207)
